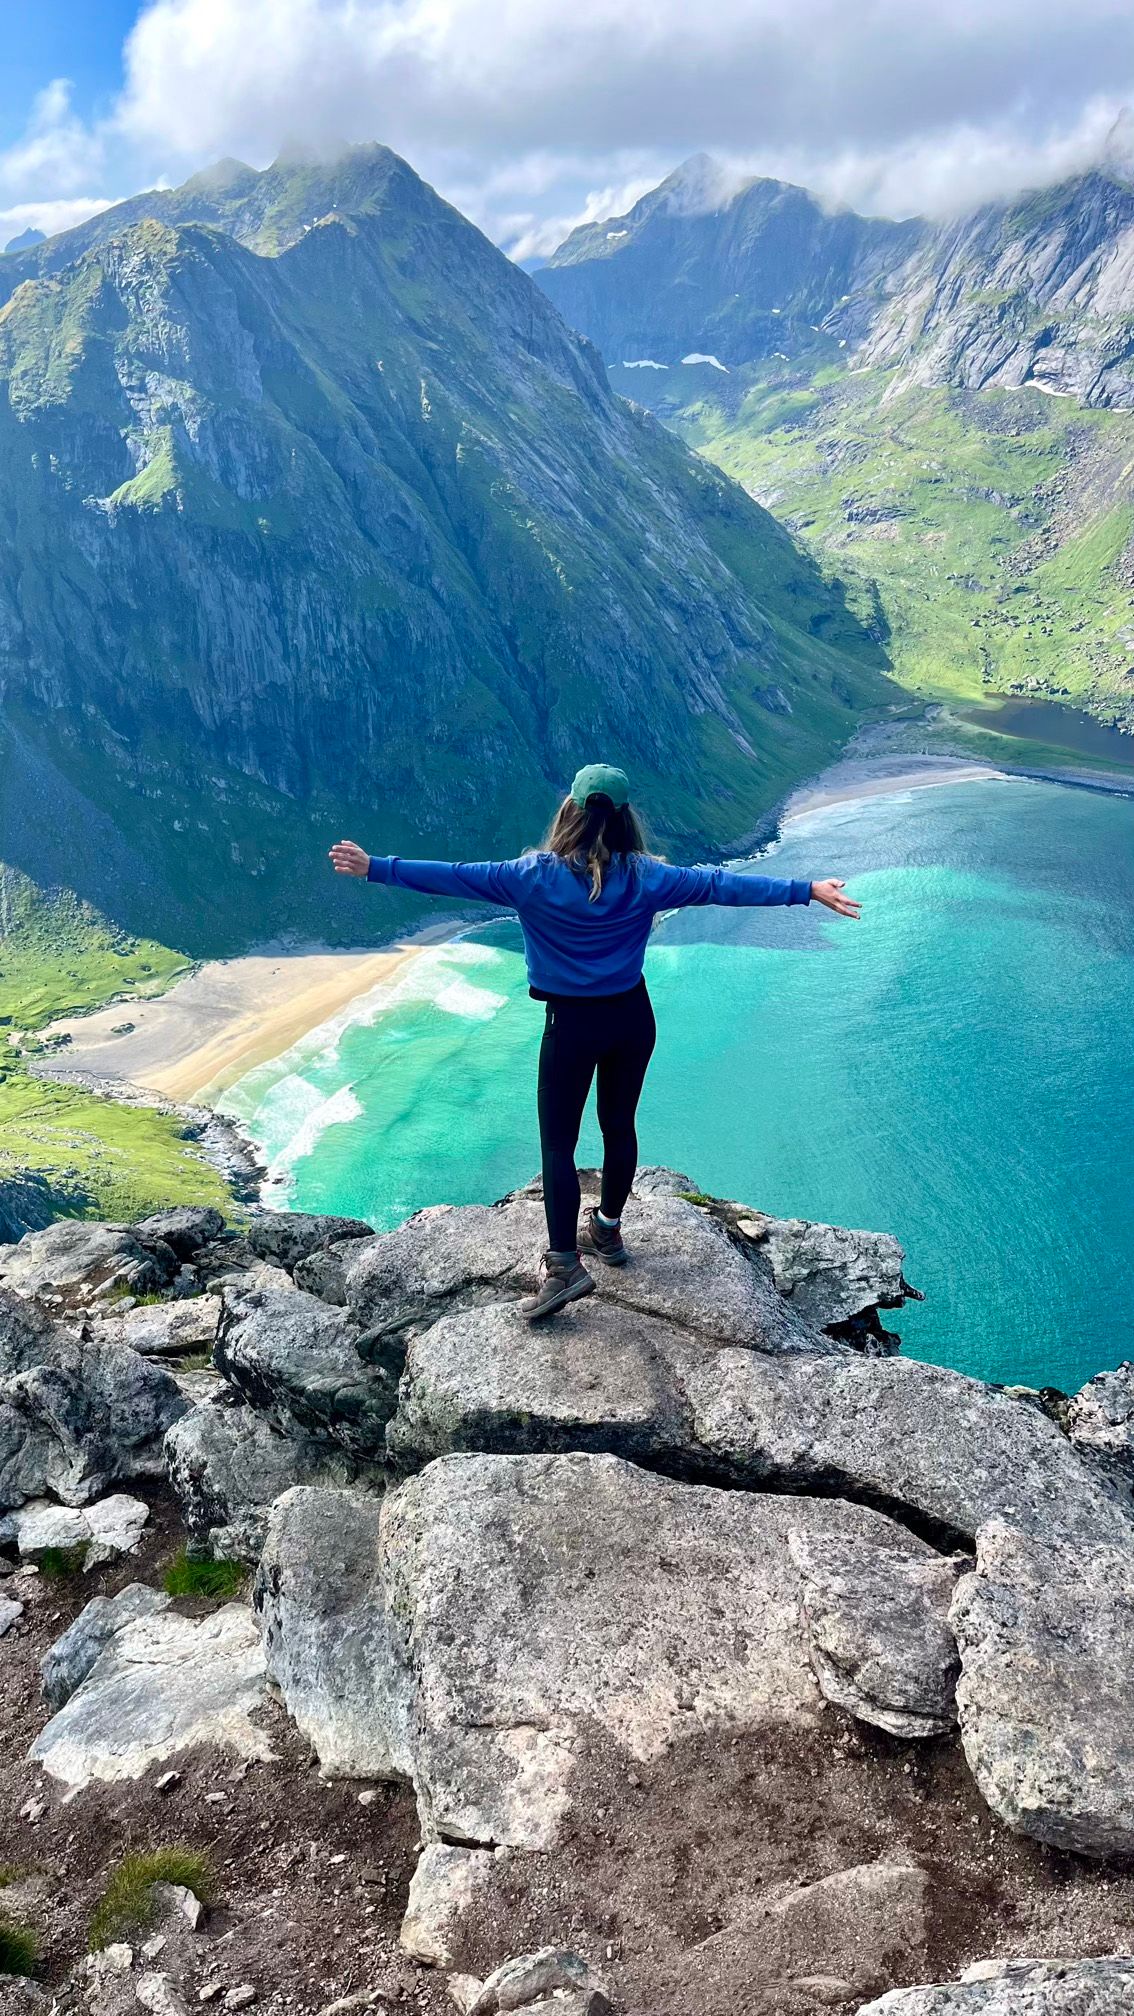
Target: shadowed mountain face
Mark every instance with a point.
(944, 412)
(318, 518)
(1038, 290)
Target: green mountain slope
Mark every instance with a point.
(951, 435)
(319, 519)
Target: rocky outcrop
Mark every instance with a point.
(160, 1684)
(75, 1416)
(71, 1262)
(1046, 1636)
(450, 1887)
(296, 1360)
(162, 1329)
(827, 1273)
(1022, 1988)
(228, 1466)
(495, 1615)
(691, 1270)
(1100, 1422)
(286, 1237)
(28, 1202)
(937, 1448)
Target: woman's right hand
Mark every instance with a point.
(349, 858)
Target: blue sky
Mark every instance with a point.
(532, 115)
(42, 39)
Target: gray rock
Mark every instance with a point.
(933, 1444)
(74, 1260)
(449, 1888)
(936, 1446)
(66, 1664)
(285, 1237)
(327, 1638)
(1100, 1422)
(534, 1977)
(861, 1927)
(10, 1613)
(1022, 1988)
(687, 1269)
(829, 1274)
(649, 1608)
(76, 1416)
(297, 1362)
(161, 1684)
(1046, 1637)
(227, 1466)
(185, 1229)
(162, 1329)
(324, 1273)
(878, 1628)
(104, 1530)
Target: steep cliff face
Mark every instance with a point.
(323, 519)
(695, 268)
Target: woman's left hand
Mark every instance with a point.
(830, 893)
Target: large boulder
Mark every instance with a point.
(498, 1614)
(296, 1360)
(73, 1261)
(878, 1628)
(1046, 1636)
(941, 1449)
(184, 1229)
(327, 1636)
(76, 1416)
(66, 1663)
(161, 1684)
(687, 1268)
(103, 1530)
(286, 1237)
(852, 1932)
(228, 1465)
(1021, 1988)
(162, 1329)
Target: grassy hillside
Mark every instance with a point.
(58, 956)
(987, 537)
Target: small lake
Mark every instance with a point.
(1057, 727)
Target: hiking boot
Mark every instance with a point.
(562, 1279)
(605, 1240)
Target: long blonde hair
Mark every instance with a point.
(588, 836)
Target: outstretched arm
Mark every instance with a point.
(682, 888)
(480, 881)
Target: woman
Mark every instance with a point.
(586, 904)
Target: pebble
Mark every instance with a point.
(367, 1798)
(239, 1998)
(167, 1781)
(210, 1991)
(33, 1810)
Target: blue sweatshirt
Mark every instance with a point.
(574, 946)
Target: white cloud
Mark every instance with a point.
(533, 115)
(59, 214)
(57, 153)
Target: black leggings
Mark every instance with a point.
(613, 1034)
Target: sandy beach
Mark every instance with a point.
(879, 776)
(230, 1015)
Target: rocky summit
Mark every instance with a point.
(731, 1660)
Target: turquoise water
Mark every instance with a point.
(957, 1068)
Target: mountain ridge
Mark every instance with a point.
(319, 536)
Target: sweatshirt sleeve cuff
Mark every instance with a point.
(800, 892)
(379, 869)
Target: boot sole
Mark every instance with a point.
(560, 1301)
(608, 1259)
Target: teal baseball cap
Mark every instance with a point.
(601, 779)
